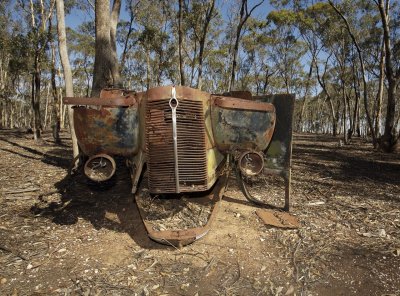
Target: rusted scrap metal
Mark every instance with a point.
(278, 218)
(179, 238)
(100, 167)
(108, 97)
(187, 139)
(111, 131)
(241, 104)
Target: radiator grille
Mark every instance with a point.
(192, 161)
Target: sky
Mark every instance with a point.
(76, 17)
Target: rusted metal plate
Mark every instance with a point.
(243, 94)
(112, 131)
(278, 155)
(278, 219)
(279, 152)
(129, 101)
(241, 124)
(234, 103)
(108, 97)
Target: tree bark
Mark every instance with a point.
(389, 138)
(379, 95)
(56, 108)
(106, 69)
(113, 42)
(37, 125)
(303, 105)
(329, 98)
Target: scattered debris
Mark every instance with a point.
(166, 213)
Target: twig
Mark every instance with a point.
(32, 189)
(15, 253)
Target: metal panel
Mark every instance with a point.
(242, 124)
(112, 131)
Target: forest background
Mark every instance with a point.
(340, 58)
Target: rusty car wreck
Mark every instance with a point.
(181, 141)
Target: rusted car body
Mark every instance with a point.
(188, 139)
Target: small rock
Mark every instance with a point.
(61, 250)
(237, 215)
(3, 281)
(382, 232)
(30, 266)
(145, 292)
(263, 268)
(290, 290)
(184, 286)
(367, 234)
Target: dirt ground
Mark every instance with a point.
(68, 236)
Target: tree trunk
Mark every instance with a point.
(203, 38)
(69, 92)
(365, 87)
(113, 42)
(36, 98)
(46, 110)
(56, 109)
(180, 40)
(303, 105)
(106, 70)
(389, 138)
(329, 98)
(244, 14)
(148, 77)
(379, 95)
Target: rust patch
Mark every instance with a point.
(235, 103)
(120, 101)
(278, 219)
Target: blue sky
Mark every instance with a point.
(76, 17)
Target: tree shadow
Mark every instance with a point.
(55, 157)
(356, 170)
(108, 205)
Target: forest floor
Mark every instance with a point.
(66, 236)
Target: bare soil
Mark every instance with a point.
(68, 236)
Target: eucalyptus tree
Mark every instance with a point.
(106, 67)
(81, 45)
(38, 18)
(390, 138)
(244, 13)
(288, 50)
(206, 12)
(63, 50)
